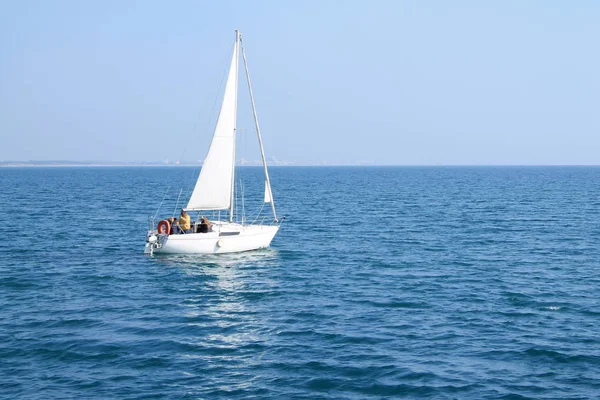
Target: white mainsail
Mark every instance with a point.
(213, 190)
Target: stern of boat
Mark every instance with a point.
(154, 241)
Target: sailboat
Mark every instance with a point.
(215, 188)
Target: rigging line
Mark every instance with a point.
(262, 150)
(243, 209)
(161, 202)
(258, 213)
(239, 170)
(177, 203)
(197, 120)
(235, 63)
(191, 183)
(236, 192)
(214, 106)
(195, 127)
(182, 179)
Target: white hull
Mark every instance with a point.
(227, 238)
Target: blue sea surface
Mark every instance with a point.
(383, 282)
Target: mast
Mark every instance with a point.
(262, 150)
(236, 52)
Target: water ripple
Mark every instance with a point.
(417, 283)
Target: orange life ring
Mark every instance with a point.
(164, 227)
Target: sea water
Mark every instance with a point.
(383, 282)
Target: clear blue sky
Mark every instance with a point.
(342, 82)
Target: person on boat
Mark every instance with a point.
(185, 222)
(205, 225)
(174, 226)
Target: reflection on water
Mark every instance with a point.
(194, 264)
(219, 303)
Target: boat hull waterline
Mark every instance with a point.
(247, 238)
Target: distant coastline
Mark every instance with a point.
(66, 163)
(9, 164)
(83, 164)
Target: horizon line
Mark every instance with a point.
(69, 163)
